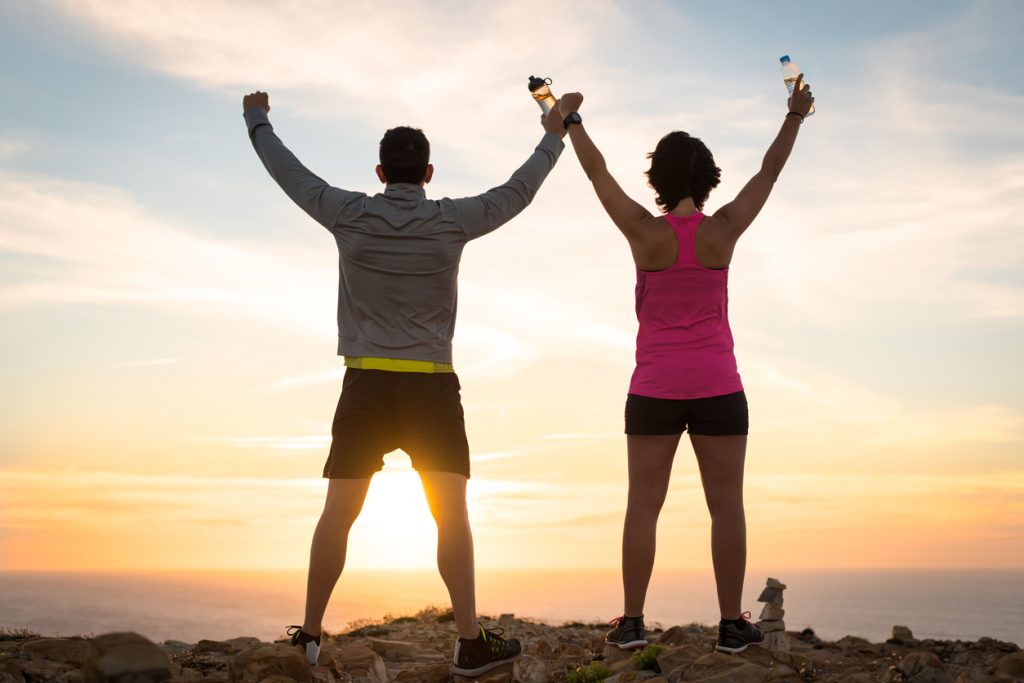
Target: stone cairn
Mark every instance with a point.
(771, 616)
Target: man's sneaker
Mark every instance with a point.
(483, 653)
(733, 637)
(627, 632)
(310, 644)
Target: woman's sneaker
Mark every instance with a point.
(310, 644)
(735, 636)
(483, 653)
(627, 632)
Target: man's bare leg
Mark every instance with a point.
(446, 497)
(330, 541)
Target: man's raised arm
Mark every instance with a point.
(305, 188)
(485, 212)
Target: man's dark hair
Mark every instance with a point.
(681, 167)
(404, 155)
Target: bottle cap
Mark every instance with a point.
(784, 59)
(537, 82)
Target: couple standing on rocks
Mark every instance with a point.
(399, 261)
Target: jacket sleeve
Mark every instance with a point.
(483, 213)
(314, 196)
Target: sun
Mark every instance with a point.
(395, 529)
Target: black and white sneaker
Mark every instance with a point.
(310, 644)
(735, 636)
(627, 633)
(483, 653)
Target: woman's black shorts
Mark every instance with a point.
(380, 411)
(714, 416)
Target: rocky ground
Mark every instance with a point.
(418, 650)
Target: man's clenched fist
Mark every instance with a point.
(256, 99)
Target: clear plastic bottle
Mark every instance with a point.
(542, 93)
(790, 72)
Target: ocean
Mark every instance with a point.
(189, 606)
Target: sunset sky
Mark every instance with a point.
(168, 321)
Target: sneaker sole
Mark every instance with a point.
(736, 650)
(629, 645)
(482, 669)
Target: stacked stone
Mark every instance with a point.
(771, 616)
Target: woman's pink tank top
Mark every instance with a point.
(684, 346)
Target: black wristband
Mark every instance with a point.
(796, 113)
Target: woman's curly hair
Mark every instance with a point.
(681, 167)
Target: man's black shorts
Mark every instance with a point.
(380, 411)
(714, 416)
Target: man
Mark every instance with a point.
(398, 267)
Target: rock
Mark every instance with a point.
(527, 669)
(322, 674)
(923, 667)
(745, 673)
(776, 640)
(769, 626)
(802, 663)
(507, 619)
(243, 642)
(68, 650)
(627, 676)
(177, 647)
(674, 659)
(1012, 666)
(613, 654)
(775, 583)
(359, 662)
(783, 671)
(772, 612)
(677, 635)
(257, 664)
(772, 595)
(975, 676)
(859, 678)
(901, 635)
(438, 672)
(126, 658)
(37, 670)
(399, 650)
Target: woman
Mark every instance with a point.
(686, 377)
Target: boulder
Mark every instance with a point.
(438, 672)
(399, 650)
(745, 673)
(257, 664)
(322, 674)
(68, 650)
(859, 678)
(529, 669)
(923, 667)
(359, 662)
(901, 635)
(674, 659)
(126, 658)
(1012, 666)
(36, 670)
(629, 676)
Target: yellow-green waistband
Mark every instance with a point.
(396, 364)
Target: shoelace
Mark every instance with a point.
(295, 632)
(499, 646)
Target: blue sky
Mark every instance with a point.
(165, 308)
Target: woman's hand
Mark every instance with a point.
(801, 99)
(570, 102)
(257, 99)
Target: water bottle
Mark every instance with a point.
(790, 72)
(542, 93)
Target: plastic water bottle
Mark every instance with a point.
(542, 93)
(790, 72)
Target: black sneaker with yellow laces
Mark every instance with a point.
(474, 656)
